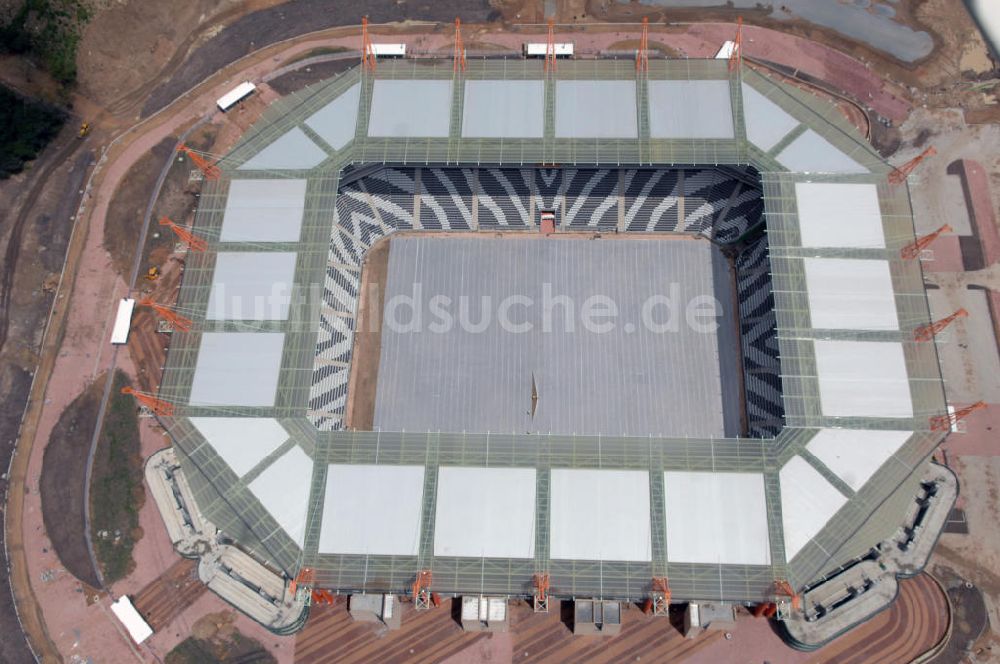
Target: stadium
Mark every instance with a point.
(736, 465)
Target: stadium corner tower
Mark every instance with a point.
(770, 449)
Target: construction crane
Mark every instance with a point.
(659, 602)
(541, 598)
(736, 56)
(948, 422)
(783, 588)
(900, 174)
(367, 50)
(193, 242)
(929, 331)
(157, 406)
(208, 169)
(176, 321)
(305, 578)
(550, 48)
(912, 250)
(642, 55)
(423, 598)
(459, 55)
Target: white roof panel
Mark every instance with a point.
(600, 515)
(850, 294)
(862, 379)
(263, 211)
(402, 108)
(251, 285)
(718, 518)
(807, 503)
(706, 111)
(242, 442)
(485, 512)
(293, 150)
(854, 456)
(839, 215)
(596, 109)
(767, 123)
(372, 510)
(336, 122)
(811, 153)
(504, 109)
(283, 489)
(237, 369)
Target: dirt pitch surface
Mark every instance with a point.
(367, 339)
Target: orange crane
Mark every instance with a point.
(541, 583)
(659, 603)
(459, 47)
(207, 168)
(306, 577)
(178, 322)
(422, 595)
(783, 588)
(193, 242)
(900, 174)
(367, 50)
(929, 331)
(550, 47)
(947, 422)
(158, 406)
(642, 55)
(912, 250)
(736, 55)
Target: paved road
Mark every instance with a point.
(268, 26)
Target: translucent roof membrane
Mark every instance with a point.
(485, 512)
(850, 294)
(237, 368)
(335, 122)
(372, 510)
(690, 109)
(808, 501)
(403, 108)
(251, 286)
(610, 109)
(283, 489)
(292, 151)
(600, 515)
(718, 518)
(263, 211)
(504, 109)
(855, 455)
(863, 379)
(242, 442)
(839, 215)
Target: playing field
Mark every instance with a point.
(569, 336)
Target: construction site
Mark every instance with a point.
(576, 343)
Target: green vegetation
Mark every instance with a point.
(116, 491)
(25, 128)
(48, 30)
(237, 648)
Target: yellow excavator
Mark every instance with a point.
(84, 129)
(153, 273)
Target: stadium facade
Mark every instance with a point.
(837, 395)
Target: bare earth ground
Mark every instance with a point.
(121, 48)
(368, 338)
(63, 483)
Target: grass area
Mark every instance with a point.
(47, 30)
(237, 648)
(116, 490)
(26, 127)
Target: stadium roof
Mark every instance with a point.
(486, 511)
